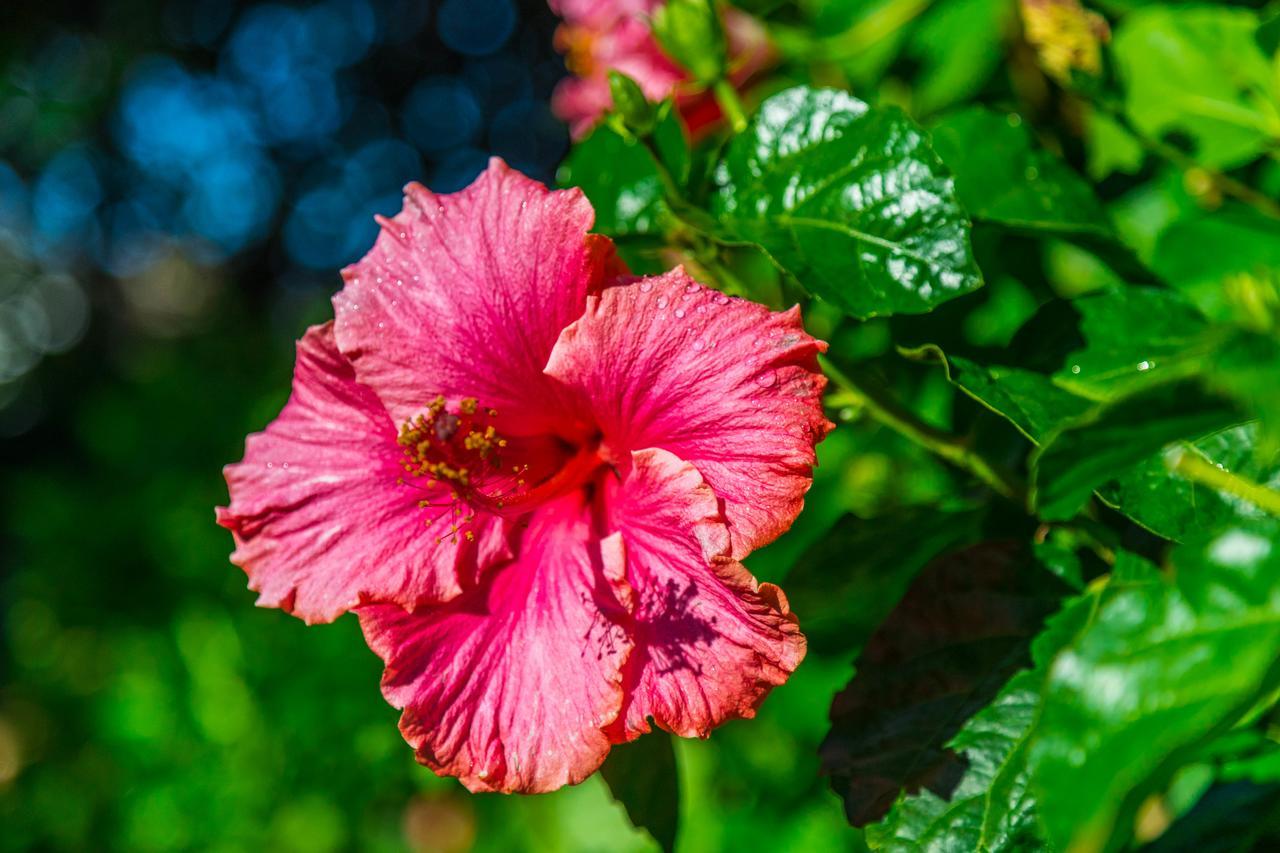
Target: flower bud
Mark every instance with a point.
(1067, 37)
(631, 109)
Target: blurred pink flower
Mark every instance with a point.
(598, 36)
(533, 477)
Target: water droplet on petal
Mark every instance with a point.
(721, 299)
(646, 286)
(767, 379)
(698, 345)
(691, 288)
(679, 313)
(662, 301)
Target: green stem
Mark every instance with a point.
(727, 98)
(947, 447)
(1190, 464)
(1224, 183)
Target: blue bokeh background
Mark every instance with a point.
(136, 137)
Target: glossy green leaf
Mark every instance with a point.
(1162, 669)
(642, 776)
(1002, 177)
(1111, 439)
(961, 631)
(1175, 507)
(1198, 71)
(850, 200)
(1028, 400)
(1111, 357)
(992, 808)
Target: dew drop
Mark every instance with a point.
(271, 464)
(767, 379)
(721, 299)
(698, 345)
(679, 313)
(662, 301)
(285, 466)
(1075, 368)
(691, 288)
(646, 286)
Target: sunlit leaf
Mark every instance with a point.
(1162, 669)
(1198, 71)
(850, 200)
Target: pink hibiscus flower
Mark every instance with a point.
(598, 36)
(533, 477)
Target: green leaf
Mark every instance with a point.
(1175, 507)
(1201, 253)
(1111, 357)
(992, 807)
(1028, 400)
(1161, 671)
(619, 176)
(1198, 71)
(850, 200)
(642, 776)
(1002, 177)
(1113, 438)
(959, 633)
(1246, 368)
(1071, 352)
(959, 47)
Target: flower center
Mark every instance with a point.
(462, 451)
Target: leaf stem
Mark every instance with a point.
(668, 181)
(727, 98)
(947, 447)
(1188, 463)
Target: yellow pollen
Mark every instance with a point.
(461, 450)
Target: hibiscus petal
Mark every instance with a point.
(710, 642)
(510, 686)
(463, 295)
(321, 523)
(723, 383)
